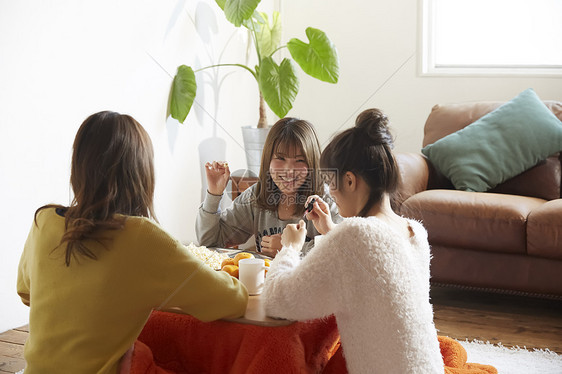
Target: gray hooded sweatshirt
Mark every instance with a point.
(236, 224)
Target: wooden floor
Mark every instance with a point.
(512, 320)
(11, 350)
(461, 314)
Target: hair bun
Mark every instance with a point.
(374, 124)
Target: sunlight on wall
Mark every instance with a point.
(65, 60)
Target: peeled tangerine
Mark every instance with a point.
(242, 255)
(231, 269)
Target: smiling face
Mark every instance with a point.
(288, 169)
(289, 165)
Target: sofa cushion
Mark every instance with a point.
(498, 146)
(479, 221)
(542, 180)
(544, 230)
(446, 119)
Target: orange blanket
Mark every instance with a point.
(176, 344)
(454, 357)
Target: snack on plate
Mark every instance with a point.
(227, 261)
(242, 255)
(231, 265)
(233, 270)
(211, 258)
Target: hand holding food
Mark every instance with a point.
(218, 175)
(319, 214)
(294, 235)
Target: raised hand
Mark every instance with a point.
(320, 215)
(218, 175)
(294, 235)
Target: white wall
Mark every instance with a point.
(61, 61)
(374, 39)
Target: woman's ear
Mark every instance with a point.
(350, 181)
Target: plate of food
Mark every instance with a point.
(210, 257)
(217, 258)
(232, 252)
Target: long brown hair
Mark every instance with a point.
(365, 150)
(112, 176)
(286, 133)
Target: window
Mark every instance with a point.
(474, 37)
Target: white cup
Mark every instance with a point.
(252, 274)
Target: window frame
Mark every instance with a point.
(426, 55)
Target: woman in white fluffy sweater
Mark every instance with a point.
(371, 271)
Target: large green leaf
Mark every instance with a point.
(183, 92)
(237, 11)
(268, 36)
(279, 85)
(318, 59)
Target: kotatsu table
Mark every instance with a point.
(255, 343)
(173, 343)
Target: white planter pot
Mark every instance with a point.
(254, 139)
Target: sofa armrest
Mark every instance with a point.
(414, 176)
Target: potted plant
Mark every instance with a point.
(278, 84)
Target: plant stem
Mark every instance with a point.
(239, 65)
(262, 123)
(278, 48)
(254, 39)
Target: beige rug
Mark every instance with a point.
(517, 360)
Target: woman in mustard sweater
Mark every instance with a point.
(92, 272)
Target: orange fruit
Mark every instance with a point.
(227, 261)
(267, 262)
(231, 269)
(242, 255)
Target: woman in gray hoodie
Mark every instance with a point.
(289, 173)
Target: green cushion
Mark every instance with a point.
(498, 146)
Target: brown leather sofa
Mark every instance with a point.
(508, 239)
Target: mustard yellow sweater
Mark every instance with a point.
(84, 317)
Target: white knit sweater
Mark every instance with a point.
(376, 283)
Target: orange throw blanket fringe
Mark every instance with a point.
(177, 344)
